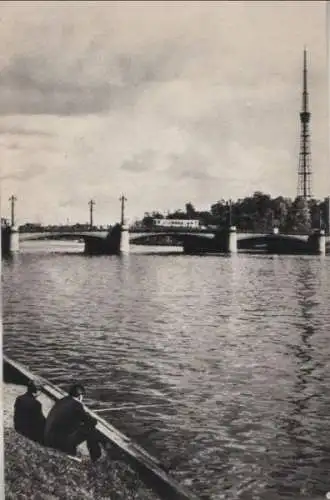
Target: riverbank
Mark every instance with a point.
(33, 471)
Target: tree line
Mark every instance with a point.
(257, 213)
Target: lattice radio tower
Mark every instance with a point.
(305, 169)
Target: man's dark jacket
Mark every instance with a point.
(28, 417)
(65, 418)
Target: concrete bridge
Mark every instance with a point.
(120, 237)
(139, 237)
(135, 237)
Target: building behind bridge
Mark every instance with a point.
(177, 223)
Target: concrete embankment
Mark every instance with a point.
(135, 458)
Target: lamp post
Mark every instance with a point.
(229, 213)
(91, 204)
(122, 199)
(12, 200)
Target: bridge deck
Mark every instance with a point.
(138, 234)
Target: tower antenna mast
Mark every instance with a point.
(305, 170)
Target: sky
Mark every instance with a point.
(166, 102)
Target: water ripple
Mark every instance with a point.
(224, 362)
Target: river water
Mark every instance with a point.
(226, 360)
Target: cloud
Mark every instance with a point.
(19, 131)
(93, 79)
(190, 165)
(24, 174)
(24, 92)
(104, 57)
(141, 162)
(196, 175)
(30, 84)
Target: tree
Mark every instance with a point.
(147, 221)
(315, 209)
(280, 207)
(190, 211)
(157, 215)
(299, 216)
(206, 218)
(177, 214)
(219, 213)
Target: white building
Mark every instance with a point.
(177, 223)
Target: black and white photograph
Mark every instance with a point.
(165, 249)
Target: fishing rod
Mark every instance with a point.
(127, 407)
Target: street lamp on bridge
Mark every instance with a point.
(12, 200)
(230, 213)
(122, 199)
(91, 204)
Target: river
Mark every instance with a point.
(226, 360)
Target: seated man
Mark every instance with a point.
(68, 425)
(28, 417)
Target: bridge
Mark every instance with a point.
(135, 236)
(192, 241)
(139, 236)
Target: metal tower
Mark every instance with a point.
(304, 169)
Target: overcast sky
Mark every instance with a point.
(168, 102)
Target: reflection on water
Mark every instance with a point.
(224, 359)
(307, 458)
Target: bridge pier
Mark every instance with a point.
(14, 239)
(317, 240)
(232, 240)
(124, 239)
(124, 235)
(9, 232)
(322, 242)
(9, 240)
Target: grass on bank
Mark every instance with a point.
(35, 472)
